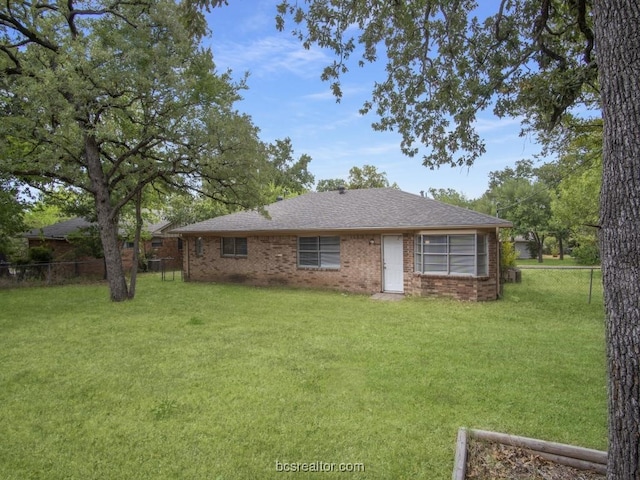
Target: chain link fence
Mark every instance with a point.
(54, 273)
(58, 273)
(587, 280)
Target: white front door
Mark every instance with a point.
(392, 264)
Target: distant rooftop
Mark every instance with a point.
(61, 230)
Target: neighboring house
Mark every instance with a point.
(56, 237)
(521, 245)
(163, 245)
(363, 241)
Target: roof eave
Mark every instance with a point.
(289, 231)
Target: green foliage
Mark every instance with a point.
(534, 248)
(451, 197)
(184, 209)
(40, 254)
(330, 184)
(42, 214)
(113, 99)
(551, 247)
(60, 203)
(289, 175)
(447, 61)
(11, 216)
(524, 200)
(587, 253)
(87, 242)
(508, 255)
(576, 203)
(365, 177)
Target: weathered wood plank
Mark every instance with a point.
(460, 461)
(561, 449)
(571, 462)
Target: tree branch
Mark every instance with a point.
(586, 31)
(12, 23)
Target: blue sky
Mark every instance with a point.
(286, 98)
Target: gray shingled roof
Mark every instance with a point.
(367, 209)
(59, 230)
(157, 228)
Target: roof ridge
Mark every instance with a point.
(357, 209)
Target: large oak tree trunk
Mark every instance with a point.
(617, 26)
(107, 222)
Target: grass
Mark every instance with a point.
(202, 381)
(549, 261)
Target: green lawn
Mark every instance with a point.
(202, 381)
(549, 261)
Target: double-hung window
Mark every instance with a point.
(465, 254)
(319, 252)
(234, 246)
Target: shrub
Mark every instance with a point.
(40, 254)
(508, 255)
(586, 254)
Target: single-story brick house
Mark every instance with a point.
(56, 238)
(362, 241)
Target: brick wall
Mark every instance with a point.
(63, 251)
(168, 250)
(272, 260)
(458, 287)
(75, 265)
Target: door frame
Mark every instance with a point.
(399, 245)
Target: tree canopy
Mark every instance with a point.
(366, 177)
(115, 97)
(445, 62)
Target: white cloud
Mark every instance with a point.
(348, 92)
(491, 124)
(268, 56)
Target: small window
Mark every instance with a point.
(179, 244)
(156, 242)
(128, 244)
(234, 247)
(199, 247)
(319, 252)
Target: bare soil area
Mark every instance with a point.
(494, 461)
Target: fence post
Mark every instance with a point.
(590, 285)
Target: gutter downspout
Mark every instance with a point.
(498, 269)
(188, 270)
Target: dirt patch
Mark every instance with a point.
(495, 461)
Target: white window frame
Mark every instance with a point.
(449, 254)
(319, 252)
